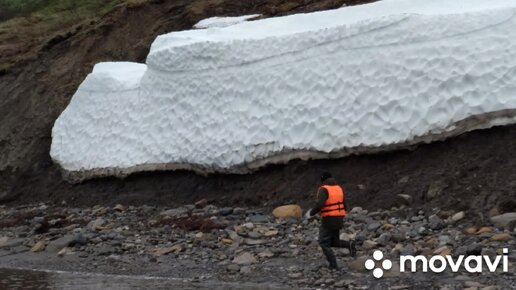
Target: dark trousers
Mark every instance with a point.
(329, 238)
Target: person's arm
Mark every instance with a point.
(323, 196)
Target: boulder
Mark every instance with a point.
(286, 211)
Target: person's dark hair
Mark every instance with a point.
(325, 175)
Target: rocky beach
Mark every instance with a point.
(273, 248)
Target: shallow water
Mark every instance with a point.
(28, 279)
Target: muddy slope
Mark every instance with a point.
(475, 171)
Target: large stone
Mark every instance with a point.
(503, 220)
(286, 211)
(245, 258)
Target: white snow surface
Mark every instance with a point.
(224, 21)
(318, 85)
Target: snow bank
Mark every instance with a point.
(319, 85)
(223, 21)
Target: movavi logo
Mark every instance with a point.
(438, 264)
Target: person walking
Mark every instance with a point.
(331, 206)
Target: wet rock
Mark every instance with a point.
(38, 247)
(245, 258)
(286, 211)
(503, 220)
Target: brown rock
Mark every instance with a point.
(164, 251)
(201, 203)
(471, 230)
(501, 237)
(388, 226)
(270, 233)
(227, 241)
(292, 210)
(38, 247)
(119, 207)
(483, 230)
(443, 251)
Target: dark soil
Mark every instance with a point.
(474, 172)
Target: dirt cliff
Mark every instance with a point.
(40, 68)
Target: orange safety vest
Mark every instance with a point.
(334, 205)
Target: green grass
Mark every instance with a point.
(48, 9)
